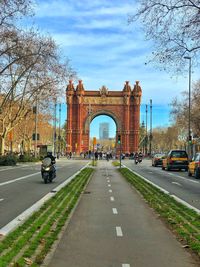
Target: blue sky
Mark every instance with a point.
(105, 50)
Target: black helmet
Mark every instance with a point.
(49, 153)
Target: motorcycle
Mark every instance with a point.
(140, 159)
(136, 160)
(48, 170)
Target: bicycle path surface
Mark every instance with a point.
(112, 226)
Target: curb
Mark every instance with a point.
(20, 219)
(183, 202)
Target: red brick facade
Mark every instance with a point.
(83, 106)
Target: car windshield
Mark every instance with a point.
(179, 154)
(159, 155)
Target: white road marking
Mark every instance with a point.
(110, 190)
(108, 181)
(119, 231)
(176, 183)
(109, 185)
(185, 203)
(24, 215)
(18, 179)
(166, 192)
(183, 178)
(112, 199)
(125, 265)
(115, 211)
(1, 199)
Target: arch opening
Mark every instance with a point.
(103, 128)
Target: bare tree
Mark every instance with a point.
(179, 111)
(174, 26)
(13, 9)
(32, 71)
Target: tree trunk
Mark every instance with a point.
(2, 145)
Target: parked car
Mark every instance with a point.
(157, 159)
(176, 159)
(194, 166)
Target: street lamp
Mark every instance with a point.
(189, 107)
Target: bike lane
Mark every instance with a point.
(113, 226)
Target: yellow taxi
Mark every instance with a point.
(194, 166)
(175, 159)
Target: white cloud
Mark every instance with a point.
(86, 8)
(103, 49)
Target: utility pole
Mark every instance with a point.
(35, 110)
(54, 139)
(146, 139)
(59, 136)
(189, 111)
(150, 137)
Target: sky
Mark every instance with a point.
(105, 50)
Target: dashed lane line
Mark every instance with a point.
(115, 211)
(27, 213)
(110, 190)
(109, 185)
(18, 179)
(119, 231)
(1, 199)
(166, 192)
(125, 265)
(112, 199)
(176, 183)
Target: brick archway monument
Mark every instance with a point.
(83, 106)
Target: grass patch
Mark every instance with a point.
(32, 241)
(185, 222)
(93, 163)
(116, 163)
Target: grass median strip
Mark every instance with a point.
(30, 242)
(185, 222)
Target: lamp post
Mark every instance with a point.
(146, 139)
(150, 136)
(189, 108)
(54, 130)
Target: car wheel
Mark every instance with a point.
(197, 173)
(163, 168)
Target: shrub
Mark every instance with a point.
(27, 158)
(8, 160)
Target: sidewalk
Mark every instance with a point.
(113, 226)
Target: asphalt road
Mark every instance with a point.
(113, 226)
(21, 186)
(177, 183)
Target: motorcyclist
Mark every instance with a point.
(136, 157)
(53, 161)
(140, 157)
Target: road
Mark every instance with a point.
(21, 186)
(113, 226)
(177, 183)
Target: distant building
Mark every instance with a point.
(104, 130)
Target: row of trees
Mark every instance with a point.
(31, 71)
(174, 28)
(176, 136)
